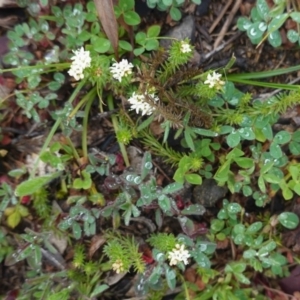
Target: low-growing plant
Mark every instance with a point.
(266, 22)
(222, 133)
(171, 6)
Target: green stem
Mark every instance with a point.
(41, 66)
(116, 128)
(80, 104)
(90, 98)
(55, 126)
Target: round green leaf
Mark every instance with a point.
(126, 4)
(138, 51)
(239, 229)
(59, 77)
(221, 236)
(255, 30)
(233, 208)
(274, 39)
(254, 227)
(275, 150)
(152, 45)
(140, 38)
(101, 45)
(295, 15)
(153, 31)
(175, 13)
(243, 24)
(282, 137)
(125, 45)
(249, 254)
(233, 139)
(263, 9)
(294, 148)
(216, 102)
(292, 35)
(132, 18)
(167, 2)
(255, 17)
(193, 178)
(288, 220)
(201, 259)
(247, 133)
(13, 219)
(217, 225)
(247, 190)
(287, 193)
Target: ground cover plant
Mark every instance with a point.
(139, 170)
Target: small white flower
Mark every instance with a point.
(81, 60)
(185, 47)
(117, 266)
(121, 69)
(138, 103)
(214, 80)
(178, 254)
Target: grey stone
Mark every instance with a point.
(185, 30)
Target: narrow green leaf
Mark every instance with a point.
(32, 185)
(277, 22)
(99, 289)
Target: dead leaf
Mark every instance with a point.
(191, 275)
(60, 242)
(113, 278)
(291, 284)
(108, 21)
(96, 242)
(296, 296)
(8, 3)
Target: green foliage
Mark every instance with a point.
(223, 134)
(78, 215)
(265, 22)
(171, 6)
(260, 250)
(162, 241)
(124, 250)
(5, 247)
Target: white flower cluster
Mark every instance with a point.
(185, 47)
(117, 266)
(121, 69)
(214, 80)
(138, 103)
(81, 60)
(178, 254)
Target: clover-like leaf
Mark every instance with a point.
(282, 137)
(289, 220)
